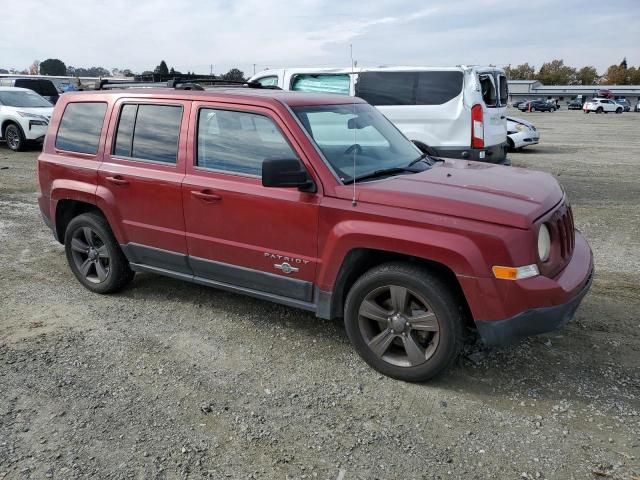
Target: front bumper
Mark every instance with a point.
(524, 138)
(539, 304)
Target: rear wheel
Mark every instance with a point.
(94, 255)
(14, 137)
(404, 322)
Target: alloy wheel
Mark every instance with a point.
(399, 326)
(12, 138)
(90, 255)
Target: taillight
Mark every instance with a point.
(477, 127)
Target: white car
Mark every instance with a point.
(602, 105)
(455, 112)
(521, 133)
(24, 117)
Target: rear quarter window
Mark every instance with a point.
(409, 88)
(81, 126)
(321, 83)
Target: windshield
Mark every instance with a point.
(24, 99)
(343, 132)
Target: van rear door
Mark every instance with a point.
(494, 90)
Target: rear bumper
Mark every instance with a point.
(492, 154)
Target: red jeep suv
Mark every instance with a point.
(317, 202)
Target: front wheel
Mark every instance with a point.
(14, 137)
(94, 255)
(404, 322)
(599, 110)
(618, 110)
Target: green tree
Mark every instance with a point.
(633, 74)
(522, 72)
(53, 66)
(587, 76)
(556, 72)
(234, 75)
(162, 69)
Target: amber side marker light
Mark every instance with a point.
(515, 273)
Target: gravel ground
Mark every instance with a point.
(172, 380)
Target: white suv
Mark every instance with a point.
(24, 117)
(456, 112)
(600, 105)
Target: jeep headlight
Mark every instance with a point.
(544, 243)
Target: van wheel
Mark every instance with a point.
(404, 322)
(94, 255)
(14, 137)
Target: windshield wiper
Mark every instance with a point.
(426, 156)
(381, 173)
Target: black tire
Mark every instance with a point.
(89, 242)
(436, 328)
(618, 110)
(599, 110)
(14, 137)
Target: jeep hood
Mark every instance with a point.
(474, 190)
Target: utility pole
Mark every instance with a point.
(211, 69)
(254, 68)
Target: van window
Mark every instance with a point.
(149, 132)
(488, 90)
(321, 83)
(42, 87)
(81, 126)
(504, 90)
(271, 81)
(238, 141)
(409, 88)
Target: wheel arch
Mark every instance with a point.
(66, 210)
(359, 260)
(11, 121)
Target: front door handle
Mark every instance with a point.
(117, 179)
(206, 195)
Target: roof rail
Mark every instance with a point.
(180, 84)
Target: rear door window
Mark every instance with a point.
(149, 132)
(409, 88)
(271, 81)
(504, 90)
(81, 126)
(488, 89)
(316, 83)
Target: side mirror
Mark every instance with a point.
(286, 173)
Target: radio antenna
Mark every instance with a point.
(355, 132)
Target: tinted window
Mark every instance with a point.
(238, 141)
(43, 87)
(155, 130)
(321, 83)
(80, 127)
(409, 88)
(23, 98)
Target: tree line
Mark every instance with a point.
(56, 67)
(556, 72)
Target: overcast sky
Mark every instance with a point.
(192, 34)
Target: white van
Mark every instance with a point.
(458, 112)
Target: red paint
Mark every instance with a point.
(467, 216)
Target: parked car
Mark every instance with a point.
(574, 105)
(637, 109)
(317, 202)
(455, 112)
(537, 106)
(602, 105)
(521, 133)
(624, 103)
(24, 117)
(605, 93)
(517, 103)
(43, 87)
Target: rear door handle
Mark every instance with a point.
(118, 180)
(206, 195)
